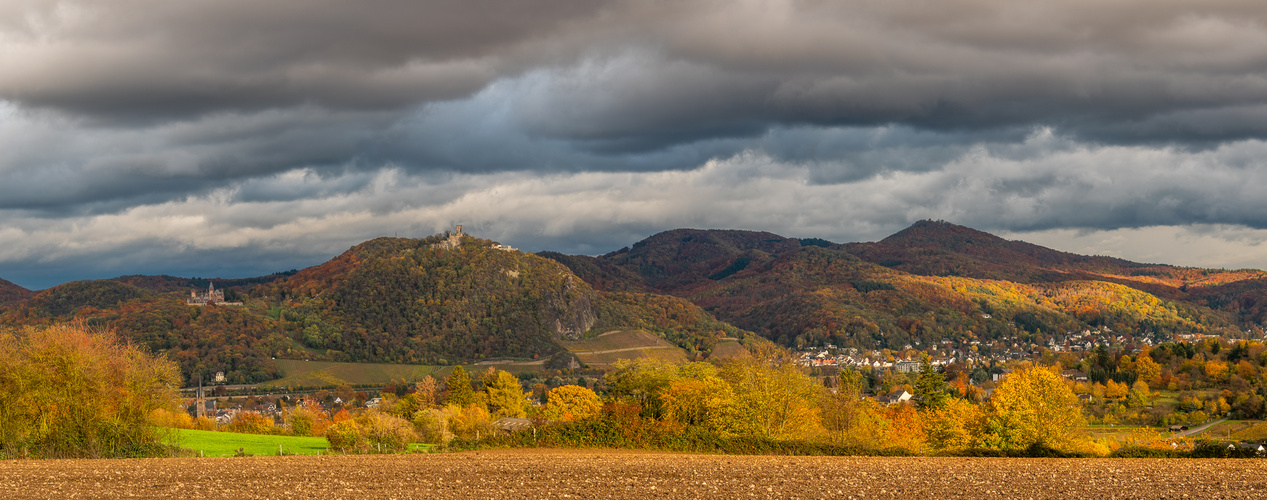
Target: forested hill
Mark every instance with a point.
(430, 300)
(11, 293)
(165, 283)
(422, 300)
(938, 248)
(933, 281)
(680, 260)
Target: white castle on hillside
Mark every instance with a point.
(212, 296)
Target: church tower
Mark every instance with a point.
(200, 402)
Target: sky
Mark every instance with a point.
(237, 138)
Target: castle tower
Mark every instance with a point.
(458, 233)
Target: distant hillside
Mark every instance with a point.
(68, 298)
(435, 300)
(411, 301)
(938, 248)
(11, 293)
(202, 340)
(933, 281)
(165, 283)
(442, 300)
(429, 301)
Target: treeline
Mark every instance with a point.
(1211, 380)
(758, 404)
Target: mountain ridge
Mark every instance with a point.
(435, 300)
(442, 299)
(929, 282)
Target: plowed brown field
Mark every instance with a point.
(630, 475)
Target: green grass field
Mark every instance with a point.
(298, 373)
(226, 444)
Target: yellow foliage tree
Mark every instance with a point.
(1034, 406)
(1148, 370)
(773, 398)
(469, 422)
(1114, 390)
(906, 428)
(706, 402)
(504, 394)
(955, 427)
(1216, 371)
(572, 402)
(851, 419)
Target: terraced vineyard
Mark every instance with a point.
(298, 373)
(534, 473)
(604, 350)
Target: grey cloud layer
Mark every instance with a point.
(641, 74)
(1038, 185)
(298, 127)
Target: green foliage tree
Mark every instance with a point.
(641, 381)
(930, 388)
(460, 392)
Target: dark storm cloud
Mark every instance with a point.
(139, 58)
(638, 75)
(296, 128)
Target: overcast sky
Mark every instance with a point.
(235, 138)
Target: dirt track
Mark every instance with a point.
(629, 475)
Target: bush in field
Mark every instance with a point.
(471, 422)
(572, 402)
(204, 424)
(371, 431)
(66, 391)
(432, 424)
(249, 422)
(306, 421)
(346, 435)
(163, 417)
(386, 432)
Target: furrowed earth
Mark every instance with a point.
(538, 473)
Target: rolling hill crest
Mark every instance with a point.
(435, 300)
(931, 282)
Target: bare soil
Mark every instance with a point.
(628, 475)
